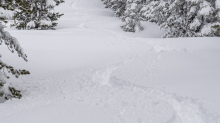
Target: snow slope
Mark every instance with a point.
(90, 71)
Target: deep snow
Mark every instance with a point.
(90, 71)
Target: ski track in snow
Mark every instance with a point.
(98, 93)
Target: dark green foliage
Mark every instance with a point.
(15, 93)
(217, 30)
(13, 71)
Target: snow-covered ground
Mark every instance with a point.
(90, 71)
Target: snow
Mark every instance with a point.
(208, 28)
(195, 24)
(206, 9)
(6, 13)
(217, 3)
(133, 6)
(192, 10)
(31, 24)
(45, 22)
(51, 2)
(89, 70)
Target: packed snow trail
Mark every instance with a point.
(90, 71)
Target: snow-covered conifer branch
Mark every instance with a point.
(6, 90)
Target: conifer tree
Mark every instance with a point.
(36, 14)
(7, 91)
(180, 18)
(132, 17)
(154, 11)
(213, 28)
(107, 3)
(191, 18)
(176, 19)
(118, 6)
(184, 18)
